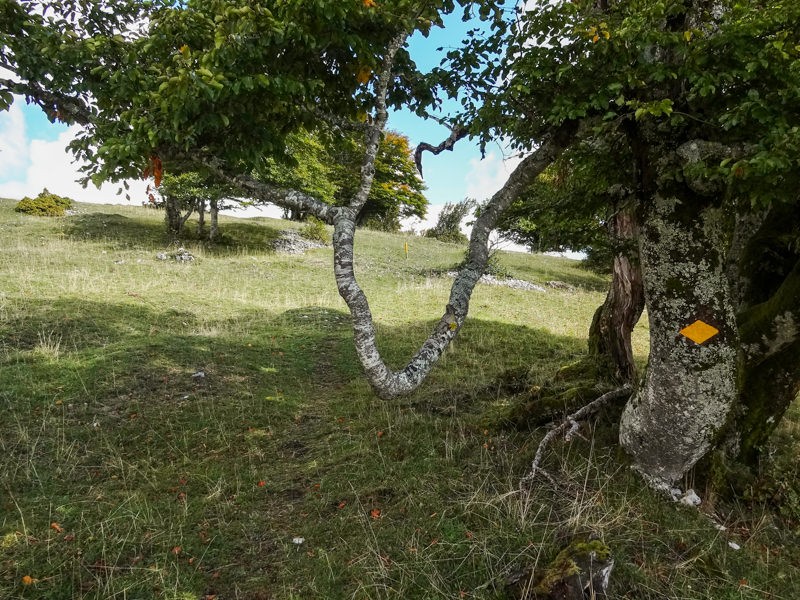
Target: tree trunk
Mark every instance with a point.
(690, 387)
(214, 212)
(172, 216)
(610, 334)
(768, 391)
(201, 217)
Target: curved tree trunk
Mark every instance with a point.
(610, 334)
(690, 387)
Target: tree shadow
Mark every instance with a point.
(125, 233)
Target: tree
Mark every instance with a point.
(585, 201)
(185, 193)
(325, 165)
(448, 224)
(706, 99)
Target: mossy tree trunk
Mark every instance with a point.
(690, 387)
(610, 333)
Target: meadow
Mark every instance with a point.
(201, 430)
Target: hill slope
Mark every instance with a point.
(175, 429)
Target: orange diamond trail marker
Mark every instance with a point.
(699, 332)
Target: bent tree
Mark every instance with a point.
(705, 96)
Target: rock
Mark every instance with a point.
(516, 284)
(691, 499)
(292, 242)
(560, 285)
(183, 255)
(581, 571)
(162, 256)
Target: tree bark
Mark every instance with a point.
(610, 333)
(201, 216)
(690, 387)
(214, 212)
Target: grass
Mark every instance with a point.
(172, 430)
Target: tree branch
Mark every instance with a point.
(570, 422)
(375, 132)
(55, 105)
(456, 133)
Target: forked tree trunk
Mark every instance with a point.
(690, 387)
(175, 220)
(610, 334)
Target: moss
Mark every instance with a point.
(579, 558)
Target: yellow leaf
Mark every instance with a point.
(28, 580)
(606, 34)
(687, 35)
(363, 75)
(369, 3)
(595, 38)
(56, 527)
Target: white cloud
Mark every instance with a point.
(48, 164)
(488, 175)
(13, 142)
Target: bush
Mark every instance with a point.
(448, 225)
(44, 205)
(315, 230)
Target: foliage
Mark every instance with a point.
(45, 204)
(448, 224)
(326, 164)
(315, 230)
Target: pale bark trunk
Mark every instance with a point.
(690, 388)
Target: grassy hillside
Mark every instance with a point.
(173, 430)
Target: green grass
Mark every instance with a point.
(161, 483)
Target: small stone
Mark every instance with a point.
(690, 498)
(298, 541)
(199, 375)
(162, 256)
(734, 546)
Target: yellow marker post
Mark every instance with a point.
(405, 247)
(699, 332)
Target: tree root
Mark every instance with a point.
(569, 427)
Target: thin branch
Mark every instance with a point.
(456, 133)
(569, 426)
(375, 132)
(68, 109)
(266, 192)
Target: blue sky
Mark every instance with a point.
(32, 153)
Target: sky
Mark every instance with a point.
(33, 151)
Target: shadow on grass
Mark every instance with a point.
(122, 233)
(100, 349)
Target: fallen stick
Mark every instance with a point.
(571, 422)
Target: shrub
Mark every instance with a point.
(315, 230)
(44, 205)
(448, 225)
